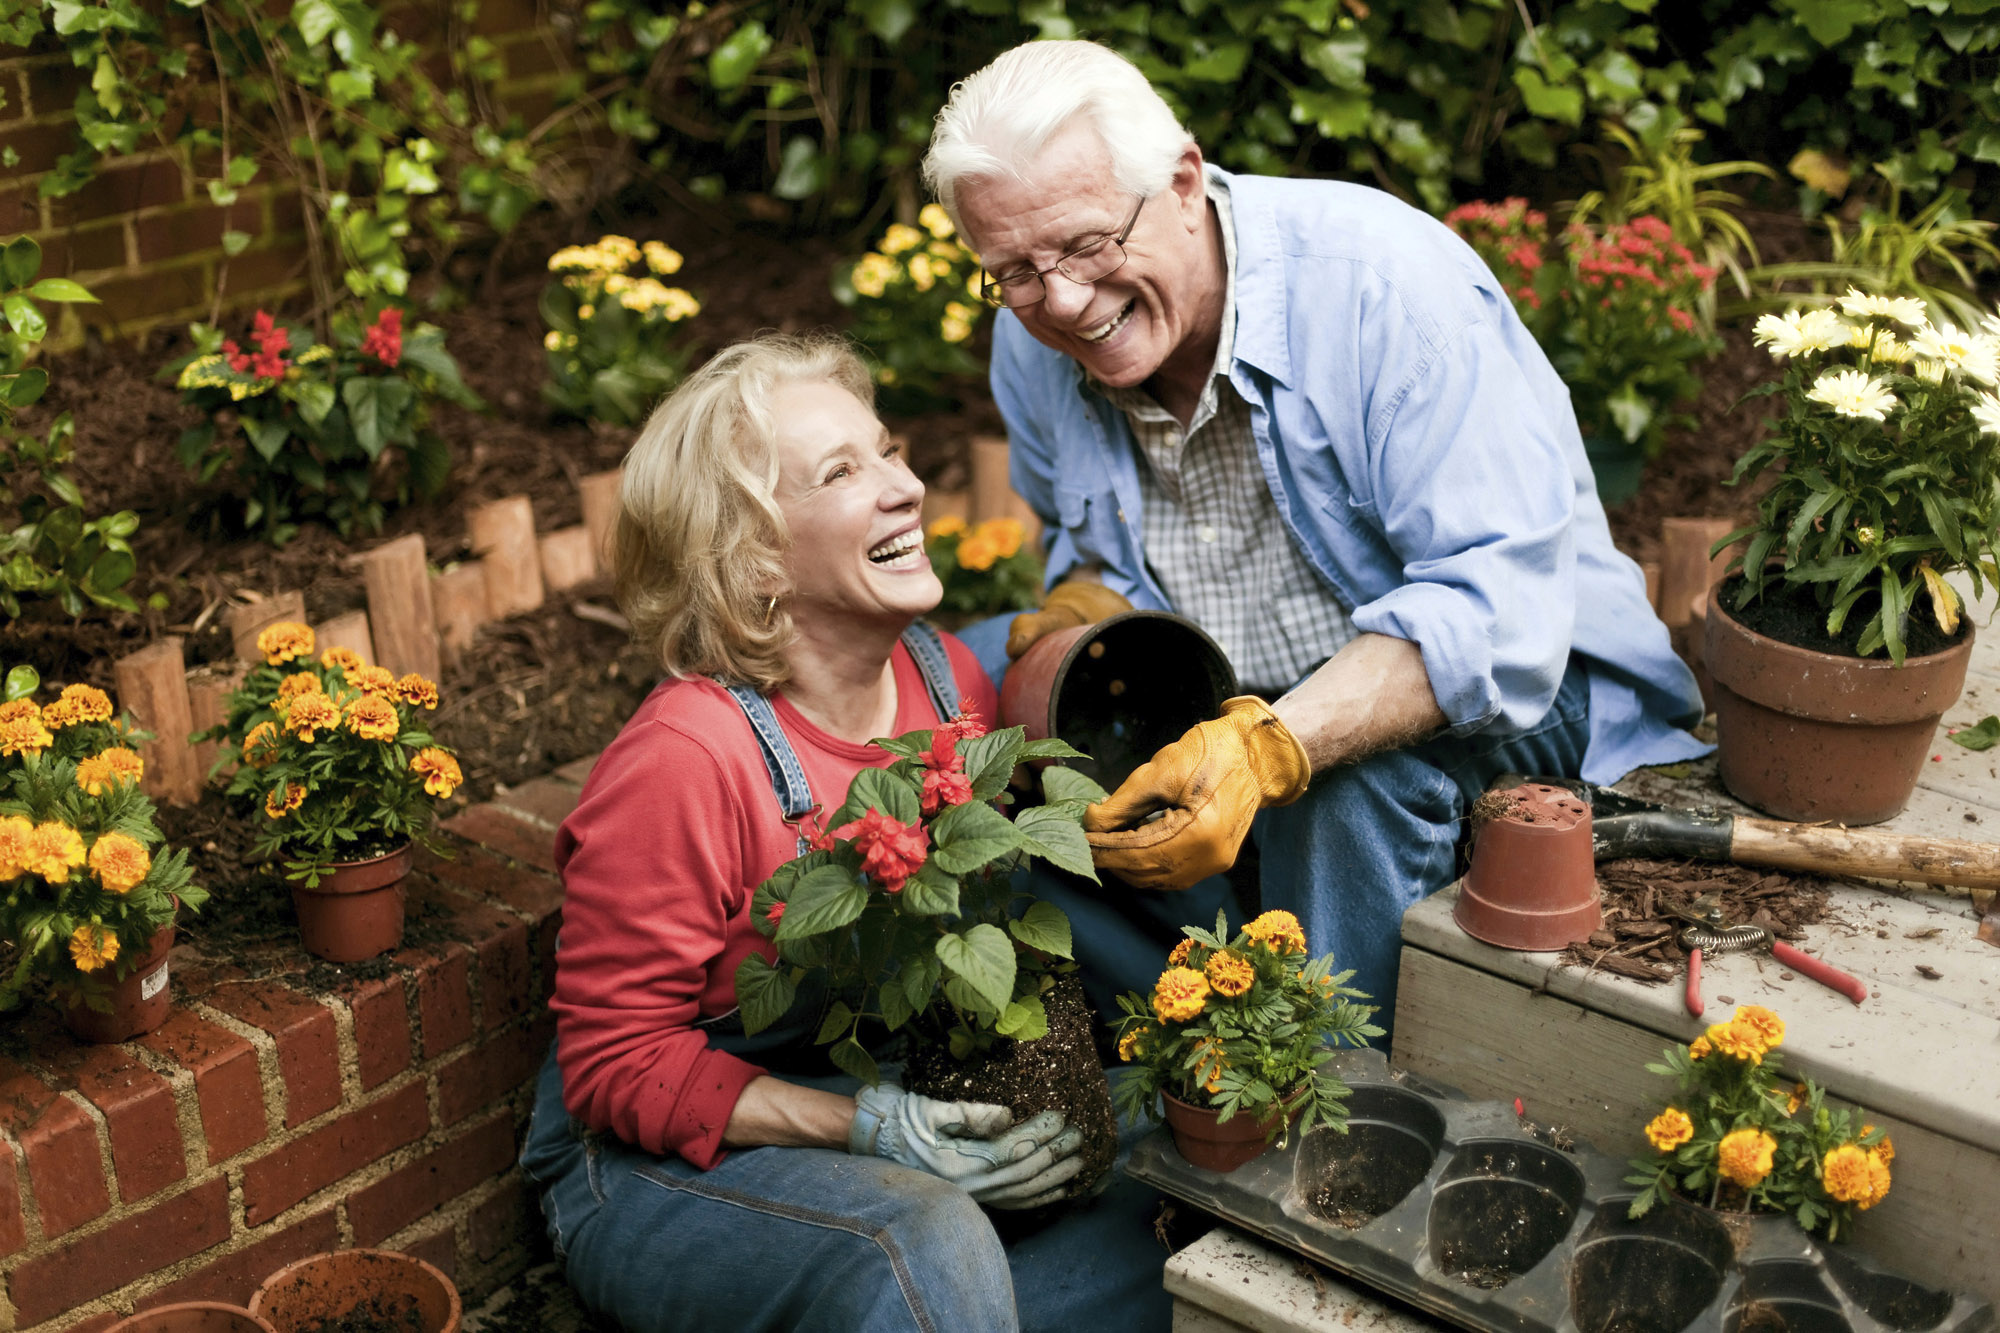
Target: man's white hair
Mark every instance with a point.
(998, 120)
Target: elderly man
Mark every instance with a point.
(1304, 415)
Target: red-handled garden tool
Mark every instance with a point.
(1706, 932)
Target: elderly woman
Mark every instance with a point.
(769, 547)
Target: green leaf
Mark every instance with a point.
(27, 387)
(827, 899)
(1559, 102)
(1023, 1020)
(21, 682)
(851, 1058)
(990, 759)
(21, 261)
(1043, 926)
(315, 400)
(1066, 784)
(1057, 838)
(896, 1007)
(983, 959)
(61, 289)
(314, 20)
(235, 242)
(803, 170)
(730, 63)
(966, 837)
(1982, 735)
(877, 789)
(919, 980)
(763, 993)
(838, 1019)
(25, 319)
(375, 408)
(887, 19)
(266, 437)
(930, 892)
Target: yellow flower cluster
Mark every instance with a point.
(120, 863)
(956, 326)
(439, 770)
(310, 714)
(372, 679)
(212, 372)
(92, 946)
(285, 641)
(415, 691)
(373, 718)
(101, 771)
(346, 659)
(1748, 1036)
(1229, 973)
(1669, 1129)
(21, 729)
(594, 272)
(77, 704)
(49, 849)
(988, 542)
(1279, 932)
(1744, 1156)
(1180, 994)
(1854, 1174)
(906, 252)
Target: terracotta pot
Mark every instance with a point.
(1211, 1144)
(1532, 883)
(324, 1287)
(193, 1317)
(1811, 736)
(356, 911)
(139, 1003)
(1117, 690)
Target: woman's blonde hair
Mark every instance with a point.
(699, 545)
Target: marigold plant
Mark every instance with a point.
(616, 340)
(85, 882)
(903, 913)
(986, 567)
(1738, 1134)
(1243, 1025)
(334, 758)
(916, 305)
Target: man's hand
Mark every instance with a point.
(1073, 602)
(1210, 783)
(974, 1145)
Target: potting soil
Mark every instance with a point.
(375, 1314)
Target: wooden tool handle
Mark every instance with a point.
(1831, 850)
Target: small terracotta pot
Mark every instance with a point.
(1533, 880)
(356, 911)
(139, 1003)
(324, 1287)
(193, 1317)
(1812, 736)
(1215, 1146)
(1118, 690)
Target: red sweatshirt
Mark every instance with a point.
(676, 829)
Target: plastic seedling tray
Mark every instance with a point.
(1450, 1205)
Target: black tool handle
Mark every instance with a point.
(1700, 836)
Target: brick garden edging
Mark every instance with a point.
(266, 1121)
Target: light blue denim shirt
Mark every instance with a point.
(1423, 455)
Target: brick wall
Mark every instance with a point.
(269, 1119)
(144, 236)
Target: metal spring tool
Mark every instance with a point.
(1706, 932)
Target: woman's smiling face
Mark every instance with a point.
(854, 510)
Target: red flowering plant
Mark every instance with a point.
(1616, 307)
(332, 432)
(905, 907)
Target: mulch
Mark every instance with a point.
(1640, 938)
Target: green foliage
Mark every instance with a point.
(49, 549)
(915, 299)
(1885, 469)
(985, 568)
(615, 339)
(1243, 1024)
(1981, 735)
(904, 911)
(329, 432)
(1933, 256)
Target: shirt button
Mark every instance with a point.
(1205, 532)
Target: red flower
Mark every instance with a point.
(384, 339)
(776, 914)
(816, 837)
(239, 360)
(944, 788)
(890, 851)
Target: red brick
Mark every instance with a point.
(13, 104)
(501, 948)
(93, 1324)
(308, 1047)
(138, 1107)
(67, 1275)
(507, 1220)
(154, 293)
(544, 800)
(39, 146)
(492, 1070)
(282, 1177)
(439, 1251)
(234, 1277)
(444, 996)
(288, 215)
(227, 1083)
(260, 270)
(532, 893)
(503, 17)
(83, 249)
(122, 189)
(433, 1180)
(165, 235)
(13, 1227)
(530, 58)
(381, 1029)
(491, 827)
(59, 1142)
(53, 86)
(20, 210)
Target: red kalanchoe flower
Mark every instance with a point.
(890, 851)
(384, 339)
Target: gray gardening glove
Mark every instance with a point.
(973, 1145)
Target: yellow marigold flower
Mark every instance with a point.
(1845, 1173)
(372, 679)
(901, 237)
(1669, 1129)
(1886, 1149)
(14, 832)
(440, 771)
(1878, 1180)
(310, 714)
(1699, 1047)
(1770, 1028)
(1179, 956)
(1128, 1045)
(121, 863)
(79, 703)
(54, 850)
(1180, 994)
(15, 709)
(278, 804)
(260, 747)
(415, 691)
(91, 947)
(108, 768)
(1006, 534)
(343, 657)
(1737, 1041)
(284, 642)
(1231, 974)
(925, 271)
(978, 551)
(25, 735)
(936, 221)
(1744, 1156)
(294, 685)
(1278, 931)
(873, 273)
(951, 525)
(373, 718)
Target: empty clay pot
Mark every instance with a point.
(139, 1003)
(326, 1287)
(356, 911)
(193, 1317)
(1117, 690)
(1533, 879)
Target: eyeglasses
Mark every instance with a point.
(1092, 262)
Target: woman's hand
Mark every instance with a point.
(974, 1145)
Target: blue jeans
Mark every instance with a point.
(811, 1238)
(1348, 858)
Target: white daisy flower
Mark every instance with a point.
(1974, 356)
(1986, 411)
(1905, 310)
(1853, 394)
(1797, 332)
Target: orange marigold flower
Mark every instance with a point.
(1878, 1181)
(121, 862)
(1005, 534)
(15, 709)
(372, 679)
(1737, 1042)
(284, 642)
(1744, 1156)
(1229, 973)
(1845, 1173)
(107, 768)
(260, 747)
(373, 718)
(1180, 953)
(78, 703)
(281, 803)
(948, 526)
(24, 734)
(1669, 1129)
(91, 947)
(53, 851)
(1769, 1028)
(1180, 994)
(1885, 1149)
(337, 656)
(311, 714)
(440, 771)
(415, 691)
(977, 551)
(1128, 1045)
(1698, 1048)
(294, 685)
(1278, 931)
(14, 833)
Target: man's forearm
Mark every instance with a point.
(1372, 695)
(772, 1111)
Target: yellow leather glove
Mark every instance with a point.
(1211, 783)
(1071, 603)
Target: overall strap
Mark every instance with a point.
(781, 761)
(927, 648)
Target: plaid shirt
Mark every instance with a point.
(1211, 530)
